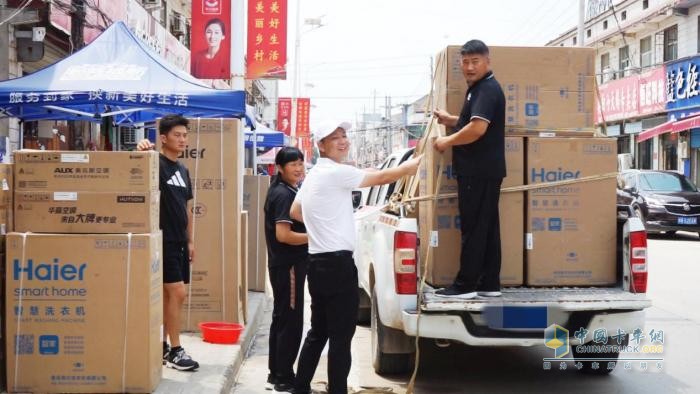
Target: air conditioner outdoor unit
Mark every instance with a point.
(152, 3)
(608, 74)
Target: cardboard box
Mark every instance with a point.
(442, 216)
(255, 189)
(3, 336)
(6, 184)
(216, 174)
(91, 313)
(545, 87)
(6, 219)
(94, 171)
(6, 196)
(571, 228)
(87, 212)
(243, 264)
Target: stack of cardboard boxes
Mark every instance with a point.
(84, 273)
(217, 289)
(546, 232)
(6, 221)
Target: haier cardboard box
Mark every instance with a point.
(439, 220)
(94, 171)
(545, 87)
(87, 212)
(3, 336)
(86, 312)
(217, 178)
(255, 189)
(571, 228)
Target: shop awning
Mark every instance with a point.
(265, 138)
(663, 128)
(686, 124)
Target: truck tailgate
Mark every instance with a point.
(564, 298)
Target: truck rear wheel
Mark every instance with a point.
(601, 366)
(384, 337)
(364, 310)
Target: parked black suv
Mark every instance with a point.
(665, 201)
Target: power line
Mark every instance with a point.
(14, 14)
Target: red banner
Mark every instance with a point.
(302, 126)
(211, 39)
(652, 91)
(284, 115)
(632, 97)
(267, 39)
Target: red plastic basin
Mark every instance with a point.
(220, 332)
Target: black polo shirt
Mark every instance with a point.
(485, 157)
(175, 191)
(277, 204)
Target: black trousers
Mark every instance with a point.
(287, 318)
(480, 257)
(334, 303)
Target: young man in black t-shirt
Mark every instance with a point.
(478, 158)
(287, 264)
(176, 224)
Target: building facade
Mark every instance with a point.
(67, 25)
(647, 55)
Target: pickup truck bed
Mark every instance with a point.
(566, 298)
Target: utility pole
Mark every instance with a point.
(77, 38)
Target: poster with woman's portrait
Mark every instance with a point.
(211, 39)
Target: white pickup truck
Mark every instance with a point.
(386, 256)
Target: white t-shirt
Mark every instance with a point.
(326, 205)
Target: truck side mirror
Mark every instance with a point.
(356, 199)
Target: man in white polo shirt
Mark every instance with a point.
(324, 204)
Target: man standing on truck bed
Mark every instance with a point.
(324, 204)
(478, 158)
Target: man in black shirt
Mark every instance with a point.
(287, 264)
(478, 158)
(176, 224)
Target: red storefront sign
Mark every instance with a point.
(652, 91)
(267, 39)
(284, 115)
(302, 126)
(632, 97)
(211, 39)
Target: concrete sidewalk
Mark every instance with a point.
(218, 364)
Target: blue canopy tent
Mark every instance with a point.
(115, 76)
(265, 138)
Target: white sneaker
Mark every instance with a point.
(489, 293)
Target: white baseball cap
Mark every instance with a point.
(328, 128)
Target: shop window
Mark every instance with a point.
(671, 43)
(644, 154)
(669, 147)
(645, 52)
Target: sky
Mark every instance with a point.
(384, 47)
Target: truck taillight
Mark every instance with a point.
(638, 261)
(405, 256)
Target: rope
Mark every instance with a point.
(424, 145)
(535, 186)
